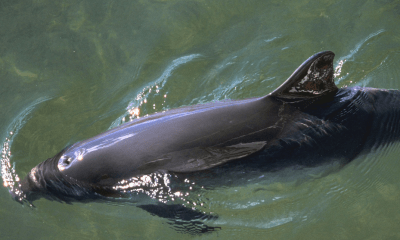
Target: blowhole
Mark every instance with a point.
(67, 161)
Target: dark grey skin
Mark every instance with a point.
(307, 121)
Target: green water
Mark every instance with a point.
(72, 69)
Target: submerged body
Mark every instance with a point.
(306, 121)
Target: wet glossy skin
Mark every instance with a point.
(137, 147)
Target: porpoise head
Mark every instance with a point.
(46, 181)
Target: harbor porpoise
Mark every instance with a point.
(306, 121)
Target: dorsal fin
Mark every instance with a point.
(314, 78)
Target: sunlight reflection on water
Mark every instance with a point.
(11, 179)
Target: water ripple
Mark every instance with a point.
(341, 61)
(10, 177)
(151, 90)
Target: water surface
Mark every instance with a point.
(72, 69)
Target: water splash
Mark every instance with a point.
(10, 178)
(133, 108)
(350, 56)
(165, 188)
